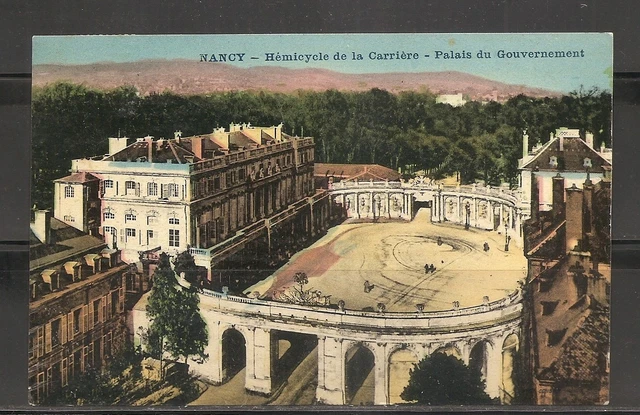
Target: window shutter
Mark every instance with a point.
(165, 190)
(121, 299)
(90, 326)
(103, 316)
(63, 329)
(47, 338)
(70, 326)
(137, 189)
(85, 318)
(108, 315)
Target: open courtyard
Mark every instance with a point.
(389, 258)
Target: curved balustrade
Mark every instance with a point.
(422, 186)
(507, 308)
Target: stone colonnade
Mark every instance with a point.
(333, 350)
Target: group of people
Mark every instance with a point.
(429, 268)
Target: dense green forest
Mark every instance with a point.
(408, 130)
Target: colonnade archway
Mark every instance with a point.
(359, 376)
(478, 358)
(401, 362)
(288, 350)
(234, 355)
(509, 356)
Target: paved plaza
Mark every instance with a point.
(391, 258)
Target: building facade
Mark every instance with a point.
(567, 315)
(76, 308)
(567, 154)
(203, 192)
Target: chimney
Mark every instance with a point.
(558, 197)
(589, 140)
(42, 226)
(197, 146)
(117, 144)
(525, 145)
(177, 135)
(149, 140)
(535, 198)
(574, 214)
(561, 138)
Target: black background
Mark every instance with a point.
(20, 20)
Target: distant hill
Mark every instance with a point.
(190, 77)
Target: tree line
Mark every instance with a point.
(407, 131)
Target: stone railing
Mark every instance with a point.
(505, 309)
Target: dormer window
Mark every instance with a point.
(587, 162)
(553, 161)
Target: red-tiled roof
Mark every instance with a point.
(82, 177)
(356, 171)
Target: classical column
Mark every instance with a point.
(331, 371)
(258, 368)
(381, 375)
(494, 367)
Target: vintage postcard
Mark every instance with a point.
(379, 219)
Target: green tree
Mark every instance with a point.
(176, 324)
(440, 379)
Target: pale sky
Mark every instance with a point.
(557, 74)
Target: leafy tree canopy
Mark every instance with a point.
(440, 379)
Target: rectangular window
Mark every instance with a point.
(129, 217)
(150, 237)
(174, 221)
(68, 191)
(68, 218)
(174, 237)
(33, 341)
(152, 220)
(108, 184)
(130, 185)
(76, 321)
(216, 183)
(65, 380)
(55, 333)
(114, 302)
(131, 234)
(96, 311)
(109, 215)
(152, 189)
(173, 190)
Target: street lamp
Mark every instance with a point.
(467, 215)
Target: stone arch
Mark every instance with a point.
(510, 346)
(359, 366)
(450, 350)
(401, 360)
(234, 352)
(479, 356)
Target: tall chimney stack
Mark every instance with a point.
(589, 139)
(558, 196)
(525, 145)
(42, 226)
